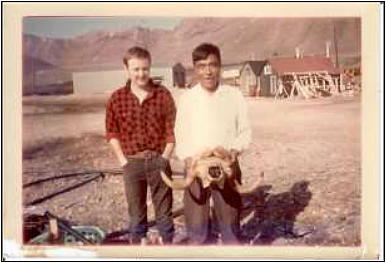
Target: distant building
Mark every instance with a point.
(251, 78)
(190, 77)
(316, 74)
(104, 81)
(108, 80)
(231, 74)
(352, 77)
(316, 71)
(169, 75)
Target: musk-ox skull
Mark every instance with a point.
(213, 167)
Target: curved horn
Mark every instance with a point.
(246, 190)
(180, 184)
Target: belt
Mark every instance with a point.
(143, 155)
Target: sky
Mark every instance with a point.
(66, 27)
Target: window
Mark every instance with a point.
(267, 69)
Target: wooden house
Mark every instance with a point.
(252, 78)
(312, 74)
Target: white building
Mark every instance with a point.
(102, 81)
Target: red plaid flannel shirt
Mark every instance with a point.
(139, 127)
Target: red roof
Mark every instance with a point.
(287, 65)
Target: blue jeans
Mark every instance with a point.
(138, 174)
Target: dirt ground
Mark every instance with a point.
(309, 151)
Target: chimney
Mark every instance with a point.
(297, 52)
(328, 44)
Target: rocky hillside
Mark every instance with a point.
(239, 38)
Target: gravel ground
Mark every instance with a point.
(308, 150)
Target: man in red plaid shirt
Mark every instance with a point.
(140, 128)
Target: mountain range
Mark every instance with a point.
(239, 39)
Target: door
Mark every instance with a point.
(272, 84)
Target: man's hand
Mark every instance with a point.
(123, 162)
(114, 142)
(188, 162)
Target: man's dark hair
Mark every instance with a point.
(204, 50)
(135, 52)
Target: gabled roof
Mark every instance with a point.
(256, 65)
(285, 65)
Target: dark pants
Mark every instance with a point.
(138, 174)
(227, 204)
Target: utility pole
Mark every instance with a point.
(33, 75)
(336, 48)
(336, 52)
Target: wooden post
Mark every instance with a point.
(335, 81)
(342, 87)
(312, 84)
(331, 83)
(293, 87)
(316, 81)
(54, 234)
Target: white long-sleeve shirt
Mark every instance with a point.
(206, 120)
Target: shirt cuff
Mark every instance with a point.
(111, 135)
(170, 139)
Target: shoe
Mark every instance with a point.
(165, 241)
(144, 241)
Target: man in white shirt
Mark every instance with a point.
(211, 115)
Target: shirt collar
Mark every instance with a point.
(152, 90)
(219, 91)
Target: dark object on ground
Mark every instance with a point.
(67, 234)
